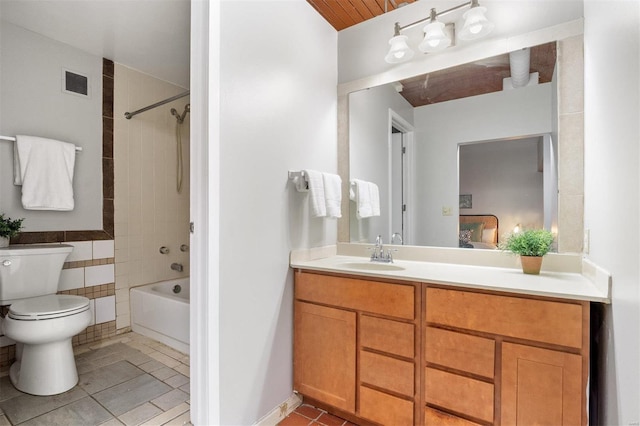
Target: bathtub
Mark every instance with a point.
(161, 311)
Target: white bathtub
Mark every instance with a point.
(161, 311)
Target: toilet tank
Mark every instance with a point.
(30, 270)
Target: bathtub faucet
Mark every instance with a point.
(177, 267)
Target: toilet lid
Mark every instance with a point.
(48, 307)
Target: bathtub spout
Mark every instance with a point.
(177, 267)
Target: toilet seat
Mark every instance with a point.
(48, 307)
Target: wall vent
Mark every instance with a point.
(75, 83)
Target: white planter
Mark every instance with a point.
(4, 242)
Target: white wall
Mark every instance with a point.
(504, 180)
(612, 185)
(33, 103)
(441, 127)
(278, 110)
(369, 153)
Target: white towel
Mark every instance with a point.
(332, 194)
(375, 198)
(317, 199)
(367, 198)
(44, 168)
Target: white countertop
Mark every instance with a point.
(564, 285)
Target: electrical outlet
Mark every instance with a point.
(446, 211)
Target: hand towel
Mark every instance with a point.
(317, 199)
(44, 168)
(375, 199)
(367, 198)
(332, 194)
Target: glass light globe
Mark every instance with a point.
(476, 24)
(399, 50)
(434, 38)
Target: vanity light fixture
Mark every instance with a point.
(476, 25)
(434, 37)
(400, 50)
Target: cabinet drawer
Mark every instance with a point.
(460, 351)
(387, 336)
(539, 320)
(396, 300)
(387, 373)
(385, 409)
(434, 417)
(460, 394)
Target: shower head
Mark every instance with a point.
(180, 118)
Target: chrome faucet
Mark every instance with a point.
(378, 254)
(177, 267)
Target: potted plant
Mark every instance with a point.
(531, 245)
(8, 228)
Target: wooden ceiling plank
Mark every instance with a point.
(326, 11)
(337, 6)
(374, 7)
(362, 9)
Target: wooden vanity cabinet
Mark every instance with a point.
(355, 346)
(395, 353)
(325, 354)
(504, 359)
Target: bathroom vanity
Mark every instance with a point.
(399, 345)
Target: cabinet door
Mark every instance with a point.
(540, 386)
(324, 365)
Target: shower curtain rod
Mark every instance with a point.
(128, 115)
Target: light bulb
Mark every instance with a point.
(434, 38)
(476, 25)
(399, 50)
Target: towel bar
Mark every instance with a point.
(12, 139)
(300, 180)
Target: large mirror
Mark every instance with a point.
(455, 146)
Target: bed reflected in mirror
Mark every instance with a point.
(504, 184)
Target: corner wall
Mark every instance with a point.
(278, 106)
(612, 194)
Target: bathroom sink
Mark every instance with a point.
(372, 266)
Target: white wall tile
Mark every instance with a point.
(92, 308)
(96, 275)
(82, 250)
(103, 249)
(123, 321)
(105, 309)
(71, 278)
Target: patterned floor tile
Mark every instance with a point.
(177, 380)
(85, 411)
(126, 396)
(171, 399)
(140, 414)
(111, 375)
(24, 407)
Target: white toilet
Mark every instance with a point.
(41, 322)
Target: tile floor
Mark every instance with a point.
(307, 415)
(125, 380)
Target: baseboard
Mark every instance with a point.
(278, 414)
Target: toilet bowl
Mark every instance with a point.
(42, 328)
(40, 321)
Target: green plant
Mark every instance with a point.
(531, 242)
(9, 227)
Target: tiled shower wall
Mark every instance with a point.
(149, 211)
